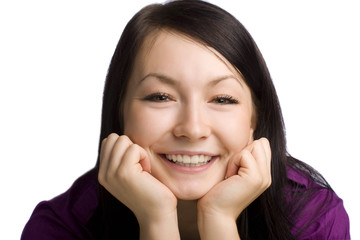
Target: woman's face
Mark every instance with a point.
(189, 109)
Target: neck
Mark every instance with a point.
(187, 218)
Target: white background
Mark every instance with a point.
(54, 57)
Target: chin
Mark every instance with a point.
(189, 194)
(189, 198)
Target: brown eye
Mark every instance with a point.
(225, 100)
(158, 97)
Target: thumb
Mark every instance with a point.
(136, 155)
(145, 164)
(233, 166)
(144, 160)
(236, 161)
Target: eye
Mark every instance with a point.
(158, 97)
(225, 99)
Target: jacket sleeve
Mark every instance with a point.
(45, 224)
(330, 224)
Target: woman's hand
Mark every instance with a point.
(125, 172)
(248, 176)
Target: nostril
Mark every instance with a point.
(192, 131)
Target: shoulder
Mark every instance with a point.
(316, 211)
(65, 216)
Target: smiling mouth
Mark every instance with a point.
(188, 161)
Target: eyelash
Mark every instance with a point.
(164, 97)
(225, 99)
(158, 97)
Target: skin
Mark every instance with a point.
(185, 98)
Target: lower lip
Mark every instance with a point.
(188, 169)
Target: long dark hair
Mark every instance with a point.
(267, 217)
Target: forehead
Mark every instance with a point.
(167, 50)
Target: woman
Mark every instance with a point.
(192, 143)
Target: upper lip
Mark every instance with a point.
(190, 153)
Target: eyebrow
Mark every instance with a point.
(168, 80)
(161, 77)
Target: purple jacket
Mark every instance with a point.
(67, 215)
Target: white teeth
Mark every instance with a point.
(195, 159)
(186, 160)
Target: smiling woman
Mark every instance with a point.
(180, 108)
(192, 143)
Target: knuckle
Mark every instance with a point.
(113, 136)
(133, 148)
(103, 141)
(123, 138)
(245, 154)
(101, 178)
(264, 140)
(257, 143)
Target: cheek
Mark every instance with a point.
(144, 126)
(235, 130)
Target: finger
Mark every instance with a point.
(234, 163)
(102, 150)
(106, 148)
(120, 146)
(259, 152)
(233, 166)
(262, 154)
(241, 163)
(266, 145)
(135, 156)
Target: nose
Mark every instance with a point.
(193, 124)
